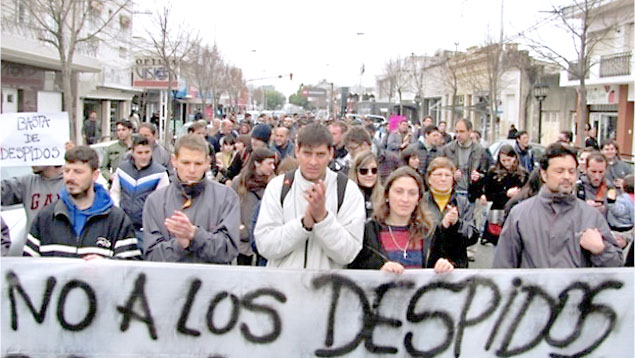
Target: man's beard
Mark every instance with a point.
(565, 191)
(80, 195)
(83, 192)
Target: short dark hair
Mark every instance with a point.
(467, 122)
(429, 129)
(150, 126)
(556, 150)
(124, 122)
(228, 139)
(358, 135)
(520, 133)
(84, 154)
(569, 135)
(341, 124)
(139, 140)
(314, 135)
(193, 142)
(197, 125)
(477, 133)
(408, 153)
(613, 143)
(596, 157)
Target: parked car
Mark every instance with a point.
(14, 215)
(377, 120)
(538, 149)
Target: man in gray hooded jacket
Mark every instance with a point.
(34, 191)
(193, 219)
(554, 229)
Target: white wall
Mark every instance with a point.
(49, 102)
(9, 100)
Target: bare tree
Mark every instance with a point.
(397, 71)
(492, 54)
(172, 44)
(234, 84)
(587, 28)
(67, 25)
(204, 70)
(418, 66)
(450, 79)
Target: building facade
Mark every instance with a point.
(609, 84)
(31, 68)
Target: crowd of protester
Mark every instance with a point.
(295, 192)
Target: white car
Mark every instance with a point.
(15, 216)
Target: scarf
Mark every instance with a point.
(190, 191)
(441, 198)
(256, 182)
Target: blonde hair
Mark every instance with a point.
(439, 163)
(421, 222)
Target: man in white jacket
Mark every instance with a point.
(307, 229)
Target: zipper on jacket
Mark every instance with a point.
(306, 251)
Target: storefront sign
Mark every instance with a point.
(151, 72)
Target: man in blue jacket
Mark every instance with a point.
(83, 223)
(137, 177)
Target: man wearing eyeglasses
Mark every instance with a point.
(356, 140)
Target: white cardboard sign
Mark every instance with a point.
(28, 138)
(108, 308)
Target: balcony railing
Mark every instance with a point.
(615, 65)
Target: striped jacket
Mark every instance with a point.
(108, 233)
(131, 187)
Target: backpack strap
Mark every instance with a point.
(286, 185)
(342, 181)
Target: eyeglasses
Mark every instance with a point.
(364, 171)
(439, 175)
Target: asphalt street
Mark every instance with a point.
(484, 256)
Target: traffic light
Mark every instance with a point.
(291, 76)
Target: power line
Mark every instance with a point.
(535, 26)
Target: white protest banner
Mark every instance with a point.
(108, 308)
(33, 138)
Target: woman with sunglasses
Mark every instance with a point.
(364, 174)
(452, 214)
(395, 239)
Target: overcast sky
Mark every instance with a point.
(331, 40)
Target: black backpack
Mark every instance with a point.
(342, 180)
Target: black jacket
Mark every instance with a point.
(451, 243)
(495, 189)
(108, 233)
(425, 156)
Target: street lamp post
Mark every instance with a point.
(417, 102)
(540, 92)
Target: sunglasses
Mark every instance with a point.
(364, 171)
